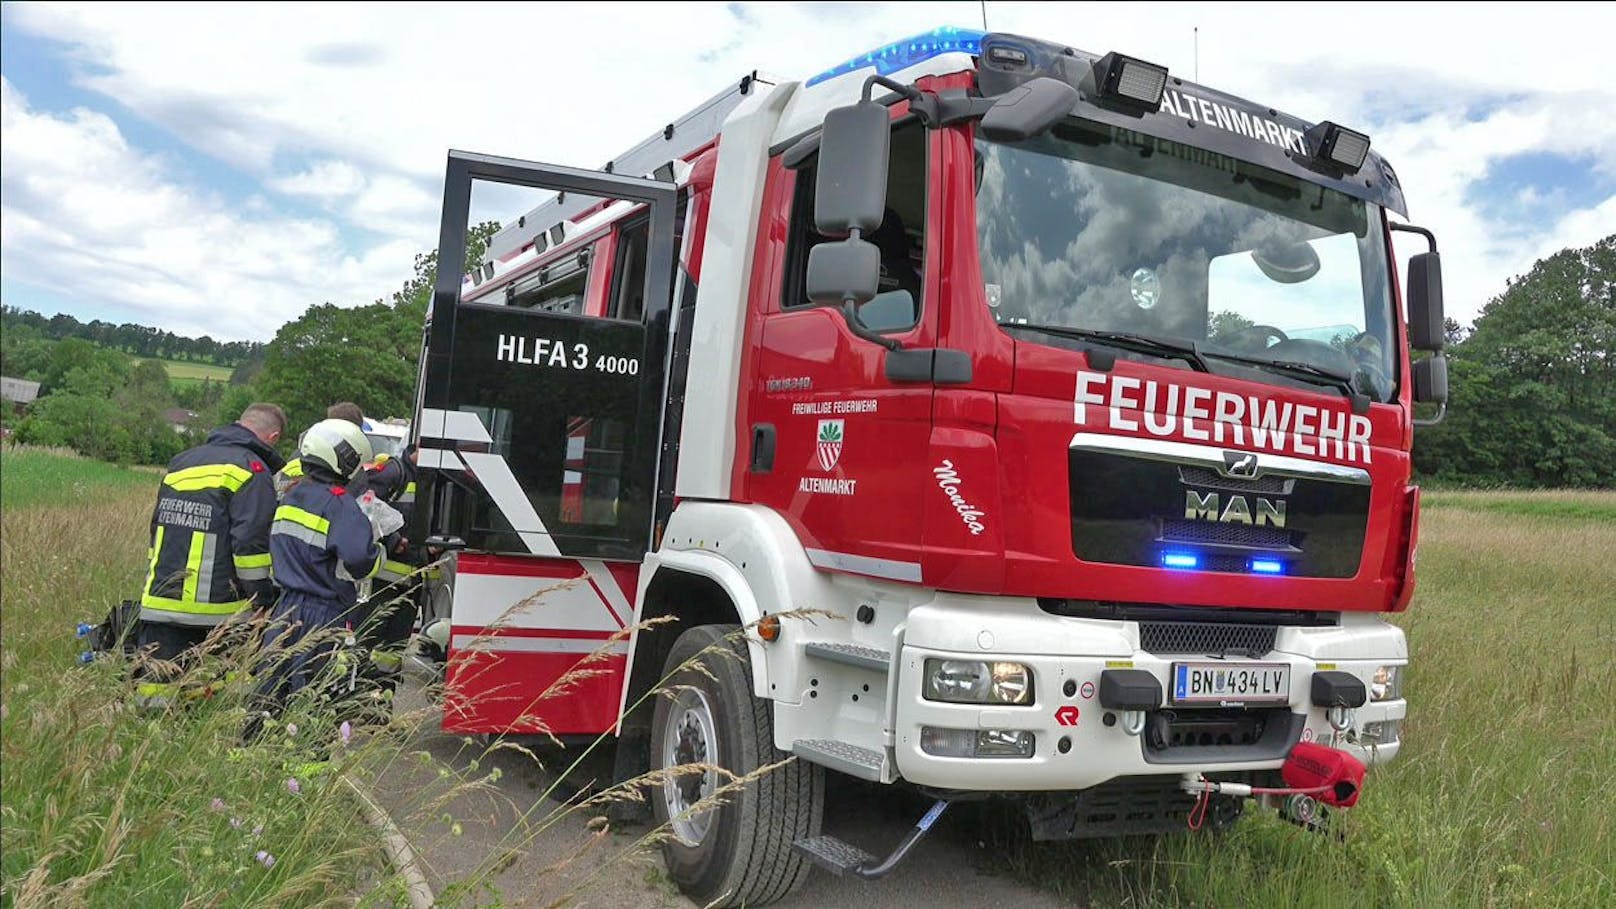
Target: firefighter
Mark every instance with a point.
(322, 544)
(343, 410)
(209, 555)
(386, 631)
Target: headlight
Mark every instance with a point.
(978, 682)
(1386, 684)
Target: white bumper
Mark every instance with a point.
(1060, 650)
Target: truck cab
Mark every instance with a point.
(1020, 420)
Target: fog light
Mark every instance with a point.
(978, 682)
(977, 743)
(1382, 732)
(1386, 684)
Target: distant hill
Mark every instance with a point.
(141, 341)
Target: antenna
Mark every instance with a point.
(984, 15)
(1197, 53)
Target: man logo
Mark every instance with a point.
(1240, 464)
(1237, 510)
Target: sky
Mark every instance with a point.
(218, 168)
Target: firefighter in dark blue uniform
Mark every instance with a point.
(386, 631)
(322, 544)
(209, 557)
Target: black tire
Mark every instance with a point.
(743, 855)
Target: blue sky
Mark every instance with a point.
(218, 168)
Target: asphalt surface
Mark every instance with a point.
(519, 844)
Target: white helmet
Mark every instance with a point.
(336, 445)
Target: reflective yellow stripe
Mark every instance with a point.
(155, 689)
(193, 566)
(151, 570)
(381, 557)
(261, 560)
(208, 476)
(293, 468)
(409, 488)
(307, 518)
(165, 604)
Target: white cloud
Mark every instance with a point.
(94, 219)
(351, 107)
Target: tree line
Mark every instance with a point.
(136, 340)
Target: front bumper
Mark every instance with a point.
(1079, 744)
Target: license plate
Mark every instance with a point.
(1243, 683)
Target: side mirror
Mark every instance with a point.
(848, 275)
(1029, 110)
(1426, 328)
(851, 190)
(1431, 386)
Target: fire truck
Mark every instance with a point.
(1000, 419)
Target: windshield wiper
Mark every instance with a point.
(1188, 351)
(1306, 372)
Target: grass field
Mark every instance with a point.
(1500, 796)
(103, 806)
(182, 372)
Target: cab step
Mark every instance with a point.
(845, 757)
(842, 858)
(858, 655)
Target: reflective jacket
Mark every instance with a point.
(318, 525)
(286, 476)
(209, 555)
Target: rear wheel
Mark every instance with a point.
(738, 851)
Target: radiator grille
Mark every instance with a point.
(1206, 476)
(1179, 530)
(1205, 637)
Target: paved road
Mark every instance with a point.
(551, 857)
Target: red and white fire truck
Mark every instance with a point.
(1022, 422)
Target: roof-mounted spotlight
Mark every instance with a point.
(1129, 81)
(1332, 144)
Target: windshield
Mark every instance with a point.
(1100, 228)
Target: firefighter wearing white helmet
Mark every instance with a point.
(320, 544)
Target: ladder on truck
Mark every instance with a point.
(549, 223)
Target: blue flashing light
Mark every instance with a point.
(1181, 560)
(898, 55)
(1267, 566)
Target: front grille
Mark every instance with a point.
(1206, 637)
(1206, 476)
(1180, 530)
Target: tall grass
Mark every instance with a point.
(1501, 795)
(101, 805)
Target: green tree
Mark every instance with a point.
(1533, 386)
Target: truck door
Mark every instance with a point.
(848, 434)
(539, 425)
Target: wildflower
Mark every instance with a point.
(265, 859)
(291, 729)
(293, 786)
(235, 822)
(346, 731)
(257, 829)
(455, 828)
(217, 805)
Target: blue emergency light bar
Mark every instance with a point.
(1267, 566)
(890, 58)
(1180, 560)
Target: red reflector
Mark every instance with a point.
(1312, 765)
(256, 466)
(338, 491)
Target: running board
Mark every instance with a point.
(841, 858)
(845, 757)
(849, 655)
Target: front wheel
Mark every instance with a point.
(731, 847)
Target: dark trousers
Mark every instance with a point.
(386, 631)
(304, 634)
